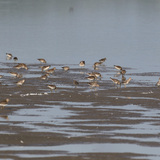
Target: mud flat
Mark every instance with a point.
(79, 122)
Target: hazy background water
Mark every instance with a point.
(127, 32)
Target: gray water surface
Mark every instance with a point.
(126, 32)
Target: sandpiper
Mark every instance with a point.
(93, 84)
(102, 60)
(115, 81)
(21, 65)
(97, 64)
(52, 87)
(126, 81)
(18, 66)
(16, 74)
(24, 66)
(118, 67)
(76, 83)
(158, 83)
(82, 64)
(51, 70)
(123, 72)
(15, 59)
(91, 78)
(44, 68)
(4, 103)
(20, 83)
(65, 68)
(42, 60)
(97, 74)
(13, 74)
(9, 56)
(44, 76)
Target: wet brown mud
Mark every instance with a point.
(37, 123)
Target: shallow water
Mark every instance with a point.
(79, 120)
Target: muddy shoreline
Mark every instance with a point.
(98, 114)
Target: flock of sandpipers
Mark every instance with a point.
(92, 77)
